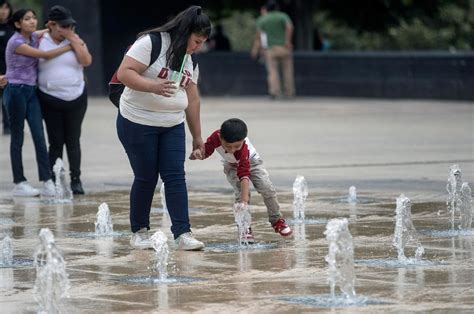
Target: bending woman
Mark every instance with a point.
(150, 123)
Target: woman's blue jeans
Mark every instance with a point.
(152, 152)
(22, 104)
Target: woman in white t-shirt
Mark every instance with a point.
(62, 91)
(150, 123)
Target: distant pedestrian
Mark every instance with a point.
(62, 91)
(260, 43)
(219, 40)
(6, 31)
(279, 32)
(21, 102)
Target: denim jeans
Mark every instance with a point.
(6, 123)
(21, 103)
(152, 152)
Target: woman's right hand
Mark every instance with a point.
(3, 81)
(162, 87)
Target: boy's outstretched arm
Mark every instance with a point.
(244, 190)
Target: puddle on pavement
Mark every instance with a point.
(155, 280)
(18, 262)
(327, 301)
(360, 200)
(293, 267)
(235, 247)
(448, 233)
(395, 263)
(307, 221)
(6, 221)
(114, 234)
(159, 210)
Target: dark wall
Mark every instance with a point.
(87, 15)
(110, 26)
(121, 21)
(384, 75)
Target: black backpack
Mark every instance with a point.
(116, 87)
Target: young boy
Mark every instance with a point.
(241, 165)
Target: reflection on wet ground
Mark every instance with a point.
(275, 274)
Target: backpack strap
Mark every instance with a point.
(155, 47)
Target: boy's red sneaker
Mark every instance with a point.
(281, 227)
(247, 237)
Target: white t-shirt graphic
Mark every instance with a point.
(152, 109)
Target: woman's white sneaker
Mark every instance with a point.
(24, 189)
(141, 240)
(49, 189)
(187, 242)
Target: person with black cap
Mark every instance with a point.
(62, 91)
(21, 101)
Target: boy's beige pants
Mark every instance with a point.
(261, 181)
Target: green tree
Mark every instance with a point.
(448, 26)
(36, 5)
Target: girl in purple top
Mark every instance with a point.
(21, 102)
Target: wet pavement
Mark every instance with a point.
(384, 148)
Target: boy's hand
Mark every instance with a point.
(240, 206)
(196, 154)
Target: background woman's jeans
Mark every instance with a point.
(154, 151)
(21, 103)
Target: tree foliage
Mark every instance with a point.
(36, 5)
(399, 25)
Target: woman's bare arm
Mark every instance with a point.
(29, 51)
(79, 46)
(129, 74)
(193, 116)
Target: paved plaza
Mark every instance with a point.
(383, 147)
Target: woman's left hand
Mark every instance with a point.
(198, 143)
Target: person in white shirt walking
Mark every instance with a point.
(62, 91)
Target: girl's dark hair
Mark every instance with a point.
(9, 5)
(233, 130)
(18, 16)
(187, 22)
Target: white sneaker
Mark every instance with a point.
(187, 242)
(141, 240)
(24, 189)
(49, 189)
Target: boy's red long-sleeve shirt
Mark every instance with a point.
(240, 158)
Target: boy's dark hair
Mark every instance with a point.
(233, 130)
(18, 16)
